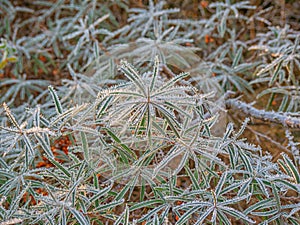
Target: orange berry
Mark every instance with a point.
(42, 58)
(65, 150)
(41, 164)
(32, 200)
(25, 196)
(48, 165)
(55, 72)
(208, 39)
(204, 4)
(40, 70)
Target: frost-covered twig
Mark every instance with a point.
(274, 117)
(293, 145)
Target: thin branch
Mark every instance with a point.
(293, 146)
(285, 149)
(275, 117)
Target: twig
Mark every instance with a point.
(293, 146)
(165, 69)
(285, 149)
(275, 117)
(11, 221)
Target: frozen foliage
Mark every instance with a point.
(128, 129)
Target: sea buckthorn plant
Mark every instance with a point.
(149, 112)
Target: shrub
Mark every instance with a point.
(115, 112)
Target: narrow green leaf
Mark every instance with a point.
(292, 168)
(101, 193)
(204, 215)
(195, 182)
(108, 206)
(56, 100)
(246, 160)
(151, 213)
(132, 74)
(146, 204)
(123, 218)
(184, 218)
(59, 166)
(265, 213)
(45, 145)
(79, 217)
(275, 191)
(237, 57)
(123, 146)
(265, 203)
(294, 187)
(220, 184)
(275, 74)
(170, 83)
(122, 193)
(237, 214)
(222, 217)
(86, 152)
(154, 73)
(63, 217)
